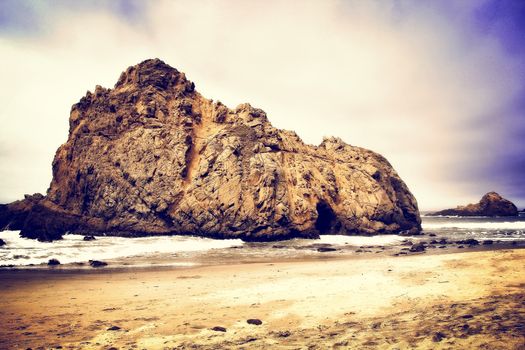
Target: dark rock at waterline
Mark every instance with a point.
(218, 329)
(411, 232)
(2, 242)
(53, 262)
(326, 249)
(418, 247)
(488, 242)
(491, 204)
(89, 238)
(254, 321)
(97, 263)
(469, 241)
(152, 156)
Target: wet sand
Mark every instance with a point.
(444, 301)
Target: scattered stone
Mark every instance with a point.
(442, 246)
(89, 238)
(114, 328)
(283, 334)
(461, 247)
(326, 249)
(418, 247)
(2, 242)
(467, 316)
(432, 234)
(53, 262)
(438, 336)
(218, 329)
(469, 241)
(97, 263)
(247, 340)
(254, 321)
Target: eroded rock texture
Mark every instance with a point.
(152, 156)
(491, 204)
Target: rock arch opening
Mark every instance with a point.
(326, 218)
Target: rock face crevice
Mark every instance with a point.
(152, 156)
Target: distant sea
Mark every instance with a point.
(187, 251)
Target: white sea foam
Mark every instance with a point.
(360, 240)
(22, 251)
(473, 225)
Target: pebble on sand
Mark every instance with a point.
(218, 329)
(254, 321)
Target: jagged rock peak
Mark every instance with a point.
(153, 156)
(152, 72)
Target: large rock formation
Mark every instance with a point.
(491, 204)
(152, 156)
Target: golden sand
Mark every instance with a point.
(448, 301)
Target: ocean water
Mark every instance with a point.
(481, 228)
(189, 251)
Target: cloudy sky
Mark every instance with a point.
(438, 87)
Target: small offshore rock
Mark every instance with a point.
(254, 321)
(53, 262)
(89, 238)
(218, 329)
(97, 263)
(491, 204)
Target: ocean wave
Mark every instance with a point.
(473, 225)
(22, 251)
(360, 240)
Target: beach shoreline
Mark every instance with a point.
(471, 299)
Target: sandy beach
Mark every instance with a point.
(446, 301)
